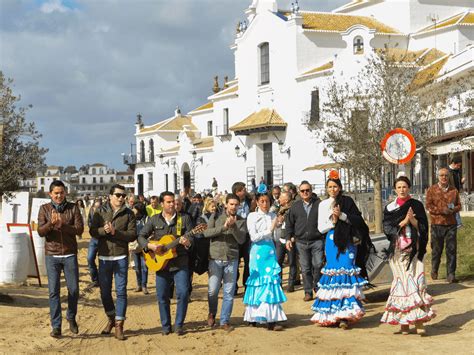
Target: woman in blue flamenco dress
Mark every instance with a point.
(263, 295)
(339, 295)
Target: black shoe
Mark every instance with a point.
(179, 331)
(290, 288)
(451, 279)
(56, 333)
(166, 332)
(73, 326)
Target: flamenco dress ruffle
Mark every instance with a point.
(264, 295)
(339, 292)
(409, 301)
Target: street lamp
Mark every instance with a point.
(161, 156)
(283, 150)
(237, 152)
(325, 152)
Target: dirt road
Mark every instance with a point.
(24, 325)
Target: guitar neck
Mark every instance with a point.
(175, 242)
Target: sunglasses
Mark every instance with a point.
(305, 190)
(118, 195)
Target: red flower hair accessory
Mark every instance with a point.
(334, 175)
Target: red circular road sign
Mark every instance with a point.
(398, 146)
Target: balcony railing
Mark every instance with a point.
(130, 159)
(222, 131)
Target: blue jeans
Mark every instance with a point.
(311, 261)
(54, 266)
(225, 272)
(91, 255)
(119, 270)
(163, 283)
(141, 269)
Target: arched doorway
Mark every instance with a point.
(186, 176)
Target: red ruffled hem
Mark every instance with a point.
(424, 319)
(409, 309)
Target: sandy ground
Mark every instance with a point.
(24, 324)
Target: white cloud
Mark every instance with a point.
(52, 6)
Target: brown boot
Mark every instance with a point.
(110, 325)
(119, 330)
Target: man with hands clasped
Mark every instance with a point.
(114, 226)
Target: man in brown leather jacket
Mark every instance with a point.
(59, 222)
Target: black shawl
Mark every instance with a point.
(344, 232)
(419, 237)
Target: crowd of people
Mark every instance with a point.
(326, 241)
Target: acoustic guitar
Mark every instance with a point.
(158, 261)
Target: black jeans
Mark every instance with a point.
(311, 255)
(244, 252)
(281, 252)
(439, 235)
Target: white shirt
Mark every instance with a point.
(259, 225)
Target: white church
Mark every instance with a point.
(262, 122)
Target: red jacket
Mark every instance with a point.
(437, 201)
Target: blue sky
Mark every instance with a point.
(89, 66)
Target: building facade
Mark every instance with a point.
(262, 123)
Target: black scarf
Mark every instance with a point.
(344, 233)
(419, 237)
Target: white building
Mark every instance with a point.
(95, 180)
(262, 122)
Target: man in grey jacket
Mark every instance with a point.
(226, 231)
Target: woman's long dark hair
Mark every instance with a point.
(341, 240)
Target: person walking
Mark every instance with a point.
(226, 232)
(114, 226)
(302, 231)
(339, 296)
(176, 271)
(263, 294)
(442, 203)
(406, 226)
(59, 222)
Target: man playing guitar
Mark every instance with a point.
(165, 223)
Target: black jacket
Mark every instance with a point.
(125, 230)
(156, 227)
(300, 225)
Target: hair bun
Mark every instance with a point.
(334, 174)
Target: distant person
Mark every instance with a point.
(455, 173)
(59, 222)
(406, 226)
(154, 207)
(443, 202)
(253, 186)
(276, 191)
(114, 225)
(93, 248)
(456, 180)
(262, 187)
(82, 209)
(215, 186)
(141, 270)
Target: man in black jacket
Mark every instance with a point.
(170, 222)
(114, 226)
(301, 225)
